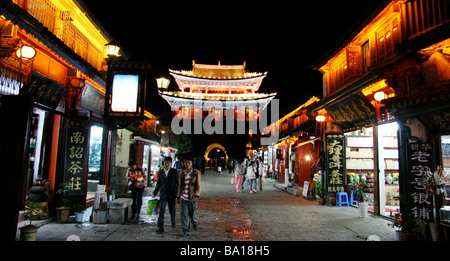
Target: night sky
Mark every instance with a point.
(284, 38)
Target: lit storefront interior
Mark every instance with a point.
(445, 146)
(360, 160)
(95, 149)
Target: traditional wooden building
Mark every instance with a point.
(52, 54)
(393, 68)
(294, 157)
(207, 88)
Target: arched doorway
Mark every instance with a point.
(216, 150)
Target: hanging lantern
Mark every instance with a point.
(26, 52)
(320, 118)
(379, 96)
(77, 83)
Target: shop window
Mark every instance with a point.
(95, 154)
(396, 31)
(155, 159)
(365, 56)
(381, 47)
(445, 145)
(387, 37)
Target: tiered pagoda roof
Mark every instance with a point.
(214, 84)
(218, 72)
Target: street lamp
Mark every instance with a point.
(162, 83)
(112, 49)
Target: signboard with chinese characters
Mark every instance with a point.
(92, 99)
(420, 157)
(335, 161)
(44, 91)
(76, 151)
(352, 112)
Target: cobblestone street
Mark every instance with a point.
(224, 215)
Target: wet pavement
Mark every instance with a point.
(224, 215)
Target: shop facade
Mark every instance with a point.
(294, 158)
(388, 85)
(55, 84)
(150, 155)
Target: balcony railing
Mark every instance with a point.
(59, 22)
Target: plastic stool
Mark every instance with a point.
(342, 198)
(352, 198)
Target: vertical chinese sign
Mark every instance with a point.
(75, 167)
(420, 203)
(335, 162)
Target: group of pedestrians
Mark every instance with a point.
(250, 171)
(182, 187)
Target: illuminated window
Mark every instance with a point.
(125, 93)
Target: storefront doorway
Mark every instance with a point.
(95, 152)
(360, 160)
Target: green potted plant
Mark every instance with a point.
(33, 211)
(78, 209)
(361, 197)
(319, 192)
(410, 228)
(62, 212)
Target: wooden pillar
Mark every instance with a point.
(376, 170)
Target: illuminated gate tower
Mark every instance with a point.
(213, 88)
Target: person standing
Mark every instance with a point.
(251, 174)
(137, 177)
(188, 195)
(167, 186)
(239, 175)
(178, 165)
(260, 173)
(203, 165)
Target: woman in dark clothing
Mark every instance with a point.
(137, 180)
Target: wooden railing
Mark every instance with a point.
(59, 22)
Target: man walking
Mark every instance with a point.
(167, 186)
(188, 195)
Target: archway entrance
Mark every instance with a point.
(214, 153)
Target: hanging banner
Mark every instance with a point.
(335, 156)
(76, 151)
(420, 157)
(352, 112)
